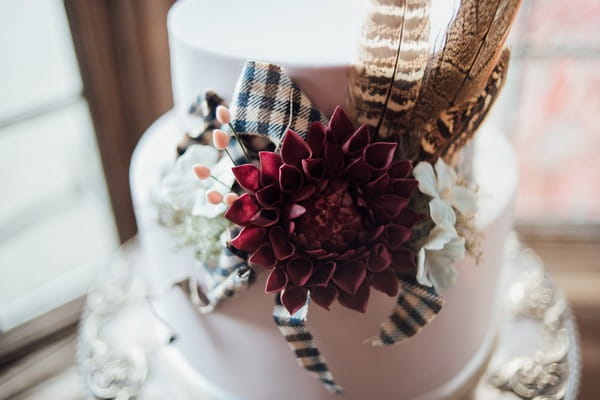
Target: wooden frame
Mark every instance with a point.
(122, 49)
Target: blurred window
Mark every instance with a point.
(56, 226)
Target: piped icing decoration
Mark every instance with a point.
(329, 216)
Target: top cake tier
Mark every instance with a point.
(314, 40)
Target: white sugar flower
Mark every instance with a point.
(435, 261)
(185, 191)
(443, 184)
(443, 246)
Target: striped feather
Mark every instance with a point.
(461, 70)
(385, 81)
(457, 125)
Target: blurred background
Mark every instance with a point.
(81, 80)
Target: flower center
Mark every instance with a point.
(332, 220)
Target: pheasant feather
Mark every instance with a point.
(457, 125)
(393, 54)
(430, 103)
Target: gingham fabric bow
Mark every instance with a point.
(267, 102)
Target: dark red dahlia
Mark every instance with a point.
(328, 216)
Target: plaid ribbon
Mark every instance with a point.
(416, 306)
(238, 281)
(293, 328)
(267, 102)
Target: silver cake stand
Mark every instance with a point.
(122, 338)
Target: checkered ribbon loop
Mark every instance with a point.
(416, 306)
(267, 102)
(293, 328)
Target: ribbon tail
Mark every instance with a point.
(416, 306)
(294, 330)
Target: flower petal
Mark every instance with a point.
(379, 155)
(196, 154)
(266, 217)
(334, 160)
(295, 211)
(322, 274)
(294, 299)
(442, 214)
(276, 281)
(242, 210)
(389, 206)
(294, 149)
(438, 237)
(404, 187)
(249, 238)
(424, 173)
(403, 260)
(303, 193)
(324, 296)
(358, 141)
(385, 281)
(446, 176)
(290, 178)
(299, 271)
(340, 126)
(358, 171)
(400, 169)
(263, 256)
(464, 200)
(269, 166)
(357, 301)
(379, 258)
(314, 168)
(396, 235)
(248, 176)
(378, 186)
(316, 139)
(408, 218)
(422, 272)
(269, 195)
(349, 275)
(282, 248)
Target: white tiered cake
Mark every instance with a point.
(237, 347)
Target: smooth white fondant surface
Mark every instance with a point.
(313, 40)
(239, 349)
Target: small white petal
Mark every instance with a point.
(442, 273)
(222, 171)
(464, 200)
(422, 277)
(180, 190)
(196, 154)
(446, 177)
(425, 175)
(442, 214)
(438, 237)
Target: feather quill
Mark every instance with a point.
(393, 53)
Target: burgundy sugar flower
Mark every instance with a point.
(328, 216)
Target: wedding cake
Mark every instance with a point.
(360, 236)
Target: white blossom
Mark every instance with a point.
(183, 190)
(443, 246)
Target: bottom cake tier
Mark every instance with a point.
(239, 350)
